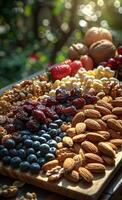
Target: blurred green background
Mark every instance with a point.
(37, 33)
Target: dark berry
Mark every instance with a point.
(55, 117)
(38, 154)
(31, 158)
(50, 101)
(53, 133)
(21, 153)
(35, 137)
(112, 63)
(44, 148)
(19, 124)
(119, 50)
(25, 137)
(41, 161)
(119, 59)
(58, 122)
(42, 139)
(3, 152)
(57, 139)
(28, 143)
(19, 146)
(6, 160)
(24, 166)
(62, 134)
(41, 132)
(52, 143)
(35, 168)
(53, 150)
(13, 152)
(36, 145)
(30, 151)
(25, 132)
(46, 137)
(33, 125)
(44, 127)
(1, 146)
(53, 126)
(10, 143)
(15, 162)
(49, 157)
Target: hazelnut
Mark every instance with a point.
(76, 50)
(102, 50)
(95, 34)
(87, 62)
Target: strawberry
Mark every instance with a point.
(60, 71)
(75, 66)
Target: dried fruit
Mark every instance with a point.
(108, 160)
(85, 175)
(94, 137)
(60, 71)
(73, 176)
(89, 147)
(103, 110)
(49, 165)
(114, 124)
(91, 113)
(71, 132)
(95, 167)
(67, 141)
(68, 164)
(79, 117)
(80, 128)
(92, 125)
(106, 149)
(93, 158)
(117, 111)
(79, 138)
(106, 117)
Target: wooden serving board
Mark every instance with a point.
(74, 190)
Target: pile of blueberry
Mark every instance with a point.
(32, 150)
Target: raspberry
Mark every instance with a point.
(60, 71)
(75, 66)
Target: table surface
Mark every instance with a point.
(112, 191)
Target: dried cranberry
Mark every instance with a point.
(33, 125)
(58, 109)
(28, 108)
(79, 102)
(19, 124)
(51, 101)
(39, 115)
(69, 111)
(22, 115)
(10, 128)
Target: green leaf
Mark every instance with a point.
(28, 10)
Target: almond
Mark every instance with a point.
(78, 161)
(95, 167)
(94, 137)
(114, 124)
(71, 132)
(93, 125)
(117, 111)
(81, 152)
(73, 176)
(112, 145)
(49, 165)
(102, 124)
(65, 126)
(103, 110)
(91, 113)
(85, 175)
(108, 161)
(76, 147)
(67, 141)
(68, 164)
(80, 128)
(116, 142)
(79, 117)
(89, 147)
(79, 138)
(93, 158)
(106, 117)
(106, 149)
(120, 121)
(107, 99)
(90, 106)
(114, 134)
(104, 104)
(117, 103)
(105, 134)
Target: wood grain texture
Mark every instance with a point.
(66, 188)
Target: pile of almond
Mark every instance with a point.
(91, 144)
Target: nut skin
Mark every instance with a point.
(102, 50)
(95, 34)
(76, 50)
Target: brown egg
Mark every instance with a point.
(87, 62)
(76, 50)
(102, 50)
(95, 34)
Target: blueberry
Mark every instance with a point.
(28, 143)
(15, 162)
(52, 143)
(21, 153)
(62, 134)
(53, 150)
(41, 161)
(3, 152)
(55, 117)
(68, 119)
(35, 137)
(9, 143)
(36, 145)
(53, 133)
(41, 132)
(38, 153)
(46, 136)
(49, 157)
(34, 168)
(53, 126)
(58, 122)
(44, 127)
(49, 129)
(6, 160)
(1, 146)
(57, 139)
(31, 158)
(24, 166)
(30, 151)
(13, 152)
(44, 148)
(63, 118)
(25, 137)
(58, 131)
(25, 132)
(42, 139)
(19, 146)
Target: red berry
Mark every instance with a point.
(112, 63)
(119, 59)
(75, 66)
(60, 71)
(119, 50)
